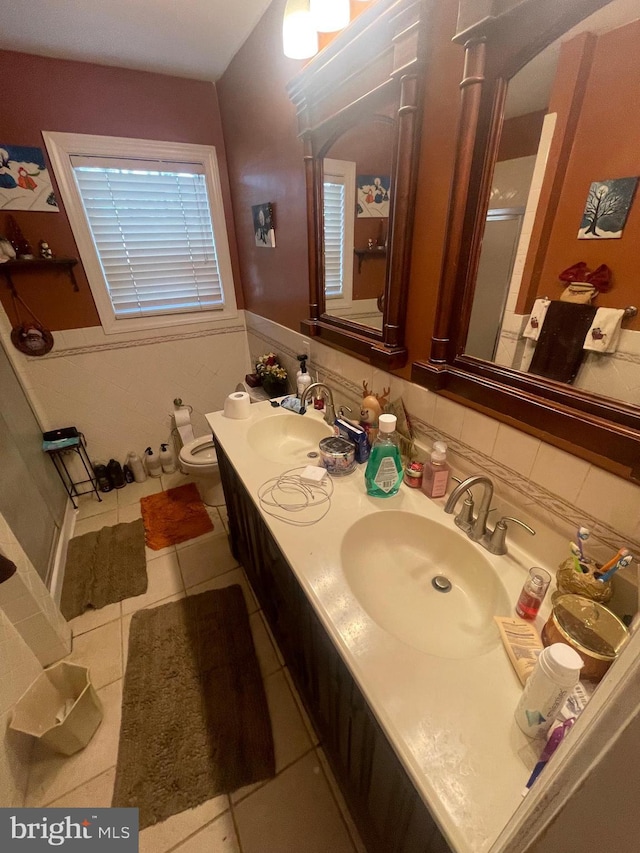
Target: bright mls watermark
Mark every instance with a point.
(74, 830)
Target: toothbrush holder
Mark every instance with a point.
(583, 583)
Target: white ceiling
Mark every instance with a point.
(188, 38)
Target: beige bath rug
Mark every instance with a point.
(195, 722)
(103, 567)
(174, 516)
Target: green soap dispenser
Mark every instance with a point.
(384, 468)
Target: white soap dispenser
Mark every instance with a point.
(137, 468)
(167, 459)
(303, 379)
(154, 466)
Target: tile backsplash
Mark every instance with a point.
(553, 491)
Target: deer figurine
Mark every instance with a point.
(371, 409)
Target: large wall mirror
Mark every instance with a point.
(357, 105)
(544, 229)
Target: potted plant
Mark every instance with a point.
(272, 375)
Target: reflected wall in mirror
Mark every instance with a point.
(356, 203)
(566, 123)
(524, 167)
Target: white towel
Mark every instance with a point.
(536, 319)
(605, 330)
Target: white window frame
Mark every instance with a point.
(63, 146)
(344, 171)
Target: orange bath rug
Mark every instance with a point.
(174, 516)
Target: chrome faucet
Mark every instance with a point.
(476, 528)
(329, 408)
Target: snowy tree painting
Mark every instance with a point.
(607, 208)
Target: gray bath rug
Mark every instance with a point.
(103, 567)
(195, 722)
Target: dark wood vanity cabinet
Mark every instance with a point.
(389, 813)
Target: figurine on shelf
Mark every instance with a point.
(18, 240)
(7, 252)
(45, 251)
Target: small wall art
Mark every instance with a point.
(373, 195)
(607, 208)
(263, 225)
(25, 183)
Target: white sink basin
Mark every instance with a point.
(288, 437)
(390, 560)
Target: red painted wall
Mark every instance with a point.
(52, 94)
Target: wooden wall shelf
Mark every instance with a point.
(363, 254)
(37, 264)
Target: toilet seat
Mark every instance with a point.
(200, 451)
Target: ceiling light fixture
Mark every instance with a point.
(299, 36)
(329, 16)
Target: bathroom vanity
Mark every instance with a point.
(412, 700)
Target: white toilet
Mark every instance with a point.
(197, 458)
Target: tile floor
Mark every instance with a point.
(299, 810)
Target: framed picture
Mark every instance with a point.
(263, 226)
(607, 208)
(372, 198)
(25, 183)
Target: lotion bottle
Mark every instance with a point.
(384, 468)
(154, 466)
(137, 468)
(435, 477)
(303, 379)
(167, 459)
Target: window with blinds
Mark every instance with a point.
(152, 229)
(334, 234)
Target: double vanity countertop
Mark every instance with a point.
(449, 719)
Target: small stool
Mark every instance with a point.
(56, 445)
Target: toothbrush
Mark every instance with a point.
(583, 535)
(576, 553)
(621, 553)
(622, 562)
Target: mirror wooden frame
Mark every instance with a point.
(604, 431)
(376, 56)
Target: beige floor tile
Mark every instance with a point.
(337, 795)
(218, 837)
(164, 580)
(150, 554)
(130, 512)
(205, 560)
(290, 737)
(126, 623)
(172, 481)
(224, 515)
(101, 651)
(303, 711)
(265, 652)
(165, 835)
(294, 812)
(228, 578)
(92, 619)
(132, 492)
(273, 640)
(53, 775)
(95, 522)
(96, 793)
(89, 505)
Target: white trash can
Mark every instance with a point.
(61, 708)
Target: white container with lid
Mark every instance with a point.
(555, 675)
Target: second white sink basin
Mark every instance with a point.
(288, 437)
(394, 563)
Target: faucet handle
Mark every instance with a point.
(464, 519)
(498, 540)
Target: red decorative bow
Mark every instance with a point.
(599, 278)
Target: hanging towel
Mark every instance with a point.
(605, 330)
(536, 319)
(560, 348)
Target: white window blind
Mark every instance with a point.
(152, 229)
(334, 238)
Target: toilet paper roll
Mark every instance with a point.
(237, 405)
(182, 416)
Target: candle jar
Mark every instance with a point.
(413, 475)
